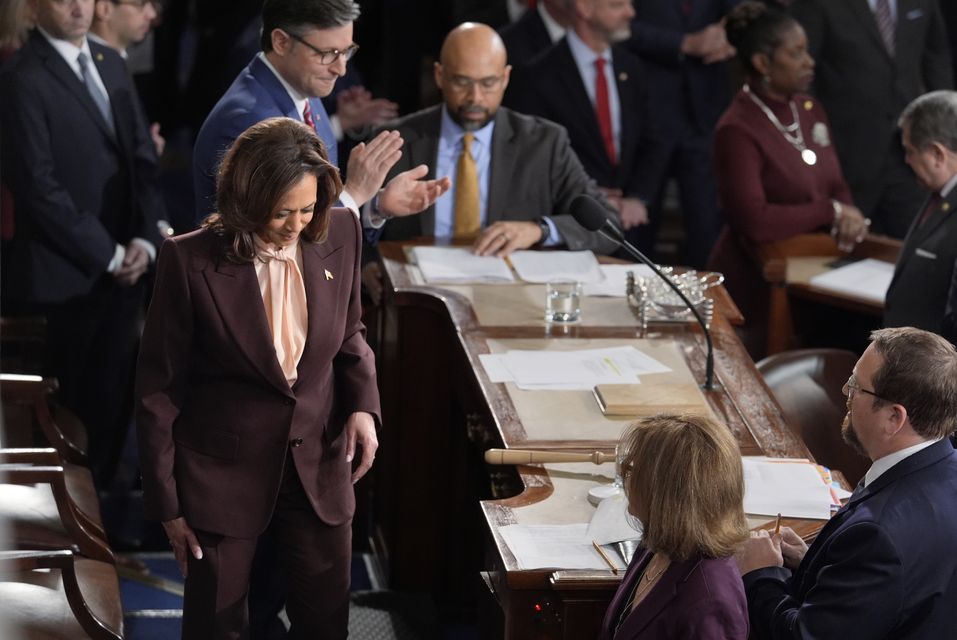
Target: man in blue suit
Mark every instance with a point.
(684, 48)
(884, 565)
(305, 47)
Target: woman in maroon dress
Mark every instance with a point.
(777, 170)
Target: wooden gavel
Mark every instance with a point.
(528, 456)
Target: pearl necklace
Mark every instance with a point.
(792, 133)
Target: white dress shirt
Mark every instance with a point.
(882, 465)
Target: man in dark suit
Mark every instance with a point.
(535, 31)
(82, 168)
(873, 57)
(683, 45)
(305, 47)
(923, 292)
(884, 565)
(607, 116)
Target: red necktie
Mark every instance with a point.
(932, 204)
(604, 111)
(307, 116)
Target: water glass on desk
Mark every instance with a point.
(563, 301)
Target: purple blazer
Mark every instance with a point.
(700, 598)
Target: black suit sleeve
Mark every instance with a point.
(811, 17)
(936, 61)
(77, 234)
(857, 592)
(948, 326)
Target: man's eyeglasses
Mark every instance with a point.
(851, 387)
(491, 84)
(328, 56)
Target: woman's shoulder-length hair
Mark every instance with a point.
(686, 472)
(265, 161)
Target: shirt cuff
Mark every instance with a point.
(554, 236)
(147, 246)
(336, 125)
(347, 201)
(118, 254)
(371, 218)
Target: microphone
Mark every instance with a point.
(591, 215)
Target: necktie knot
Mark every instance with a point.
(600, 65)
(467, 141)
(307, 116)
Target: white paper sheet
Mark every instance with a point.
(793, 489)
(616, 277)
(868, 279)
(611, 523)
(547, 546)
(542, 266)
(457, 265)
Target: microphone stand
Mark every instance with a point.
(609, 231)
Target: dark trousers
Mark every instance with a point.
(689, 161)
(315, 558)
(91, 350)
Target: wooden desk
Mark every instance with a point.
(441, 413)
(788, 267)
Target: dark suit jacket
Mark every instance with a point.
(862, 87)
(256, 94)
(214, 412)
(882, 567)
(552, 87)
(698, 599)
(526, 38)
(922, 291)
(79, 189)
(684, 91)
(534, 173)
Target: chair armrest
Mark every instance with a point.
(81, 531)
(39, 394)
(46, 456)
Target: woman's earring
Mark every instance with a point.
(766, 80)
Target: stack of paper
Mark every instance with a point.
(793, 488)
(570, 370)
(546, 546)
(457, 265)
(616, 279)
(868, 279)
(542, 266)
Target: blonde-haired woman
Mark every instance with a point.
(684, 482)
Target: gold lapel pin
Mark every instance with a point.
(623, 77)
(329, 275)
(99, 57)
(945, 206)
(808, 105)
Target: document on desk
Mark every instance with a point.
(868, 279)
(616, 279)
(457, 265)
(611, 523)
(792, 488)
(570, 370)
(554, 546)
(542, 266)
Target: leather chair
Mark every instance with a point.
(32, 417)
(56, 595)
(807, 384)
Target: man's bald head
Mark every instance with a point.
(472, 74)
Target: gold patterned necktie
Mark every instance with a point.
(467, 219)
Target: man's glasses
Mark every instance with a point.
(853, 387)
(328, 56)
(490, 84)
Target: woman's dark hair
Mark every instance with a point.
(754, 28)
(267, 160)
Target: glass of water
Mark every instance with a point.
(563, 301)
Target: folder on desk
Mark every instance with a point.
(649, 398)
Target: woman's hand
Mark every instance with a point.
(360, 428)
(183, 540)
(849, 227)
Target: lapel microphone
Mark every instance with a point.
(591, 215)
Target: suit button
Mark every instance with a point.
(295, 442)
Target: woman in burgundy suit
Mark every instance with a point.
(255, 385)
(683, 478)
(777, 170)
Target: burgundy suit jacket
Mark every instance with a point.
(215, 415)
(698, 599)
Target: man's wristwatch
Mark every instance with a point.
(545, 229)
